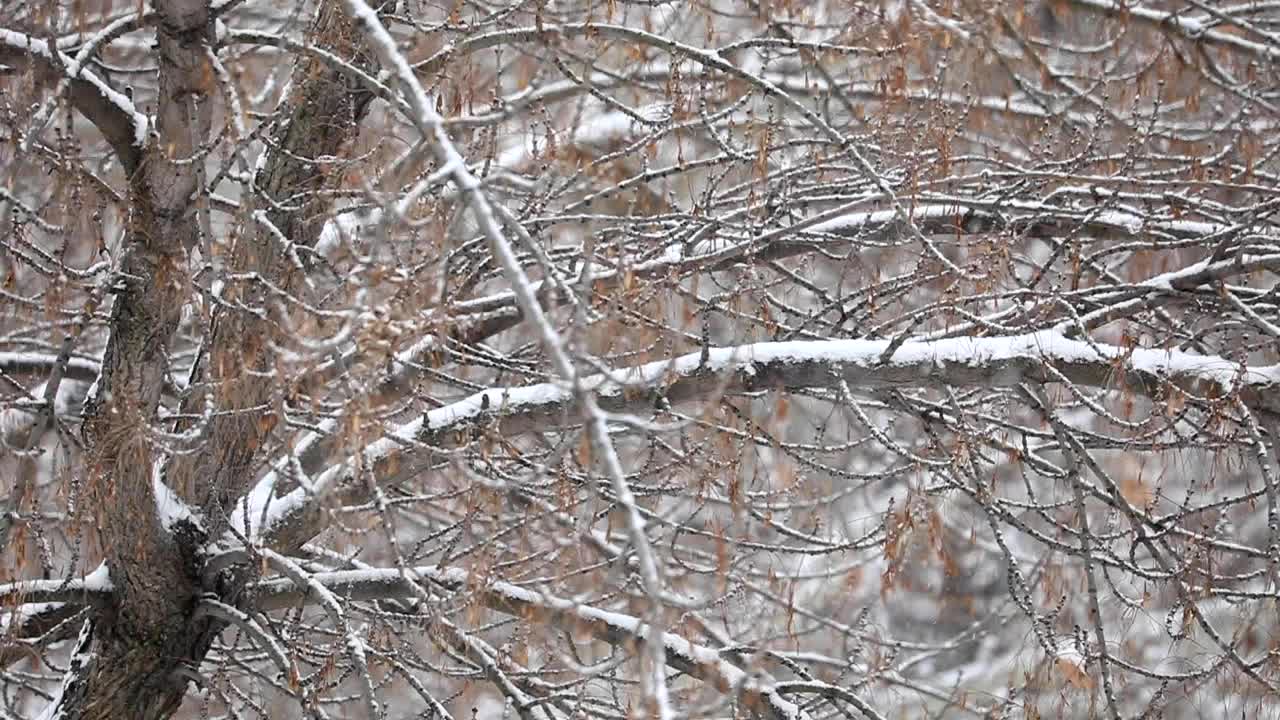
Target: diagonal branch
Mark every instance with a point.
(115, 116)
(698, 661)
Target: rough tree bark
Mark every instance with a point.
(137, 656)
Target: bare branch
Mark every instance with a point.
(699, 661)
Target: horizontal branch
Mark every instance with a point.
(16, 363)
(999, 362)
(840, 224)
(25, 627)
(92, 589)
(1188, 27)
(32, 609)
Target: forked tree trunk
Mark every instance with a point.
(137, 658)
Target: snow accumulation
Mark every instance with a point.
(74, 69)
(1130, 222)
(977, 352)
(876, 218)
(345, 227)
(98, 581)
(266, 510)
(17, 616)
(20, 420)
(170, 508)
(969, 351)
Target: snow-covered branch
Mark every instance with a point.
(43, 363)
(42, 611)
(111, 111)
(842, 371)
(1200, 28)
(994, 362)
(499, 311)
(93, 589)
(699, 661)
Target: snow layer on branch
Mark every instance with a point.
(600, 129)
(975, 352)
(345, 227)
(99, 580)
(170, 509)
(74, 70)
(17, 616)
(1131, 222)
(876, 218)
(265, 509)
(40, 591)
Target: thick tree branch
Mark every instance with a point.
(144, 318)
(113, 114)
(324, 111)
(1002, 362)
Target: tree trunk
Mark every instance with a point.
(136, 658)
